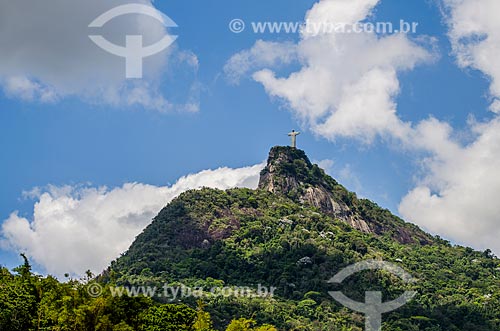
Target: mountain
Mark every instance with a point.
(296, 231)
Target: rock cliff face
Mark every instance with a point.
(290, 172)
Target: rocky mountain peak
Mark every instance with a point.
(289, 172)
(287, 169)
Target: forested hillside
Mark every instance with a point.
(261, 260)
(294, 233)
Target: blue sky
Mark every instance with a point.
(84, 140)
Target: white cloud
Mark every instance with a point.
(78, 228)
(347, 83)
(458, 196)
(262, 54)
(367, 109)
(47, 54)
(28, 90)
(475, 36)
(344, 11)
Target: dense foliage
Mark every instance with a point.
(29, 302)
(250, 237)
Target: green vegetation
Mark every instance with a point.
(29, 302)
(245, 237)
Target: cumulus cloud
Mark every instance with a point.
(262, 54)
(74, 229)
(457, 195)
(347, 83)
(28, 90)
(475, 37)
(47, 54)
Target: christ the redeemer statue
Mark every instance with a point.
(294, 135)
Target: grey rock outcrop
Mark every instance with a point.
(290, 172)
